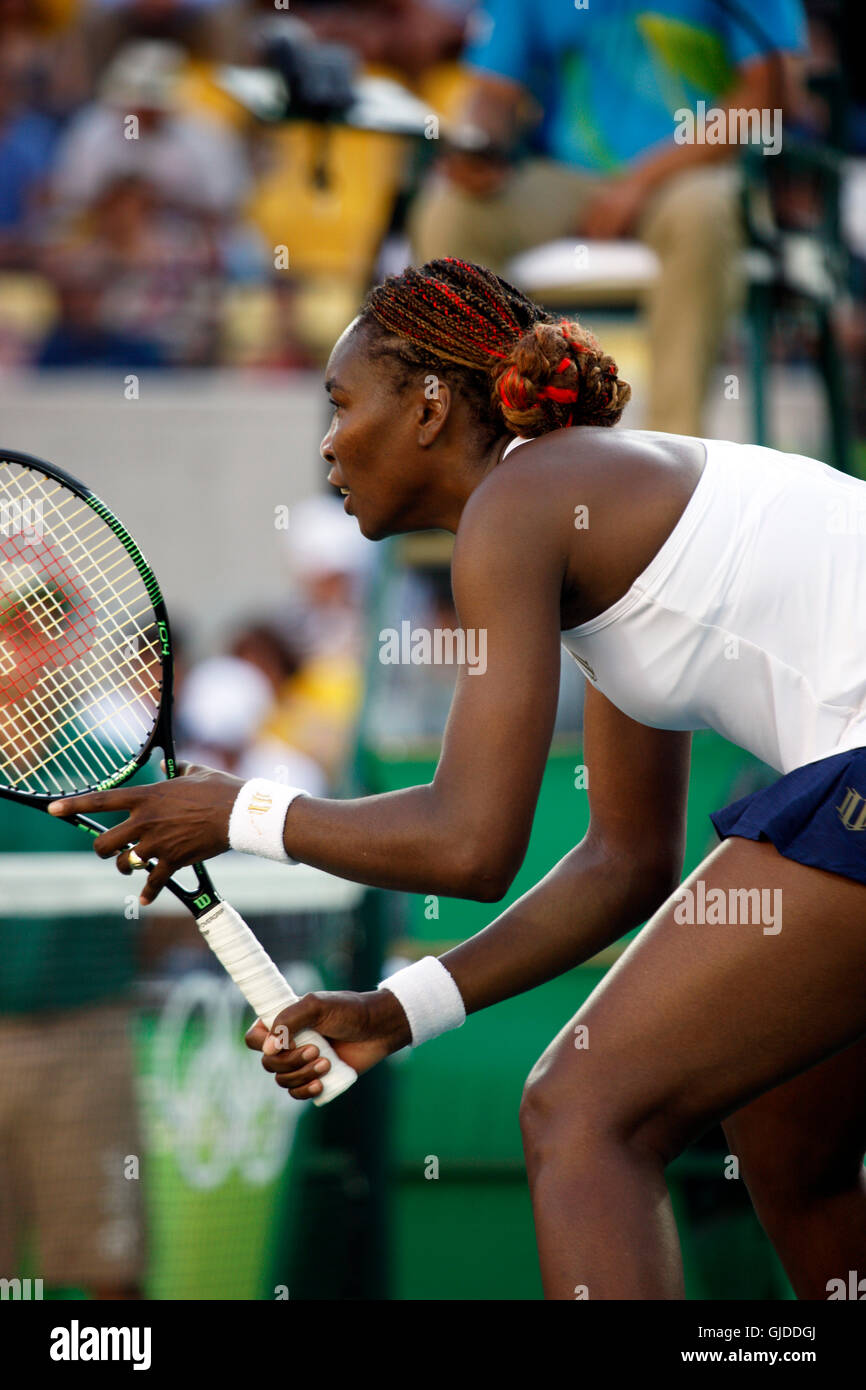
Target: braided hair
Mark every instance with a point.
(520, 368)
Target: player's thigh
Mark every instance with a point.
(697, 1018)
(805, 1139)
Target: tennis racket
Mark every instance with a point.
(86, 690)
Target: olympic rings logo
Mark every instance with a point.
(213, 1106)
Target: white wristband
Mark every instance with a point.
(431, 1000)
(258, 818)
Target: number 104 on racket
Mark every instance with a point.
(85, 690)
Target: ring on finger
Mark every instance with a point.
(135, 860)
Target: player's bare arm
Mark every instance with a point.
(610, 883)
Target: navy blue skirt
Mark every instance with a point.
(815, 814)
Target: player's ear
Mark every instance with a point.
(434, 407)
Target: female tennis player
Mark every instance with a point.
(707, 585)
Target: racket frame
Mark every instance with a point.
(161, 736)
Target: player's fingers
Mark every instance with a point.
(305, 1013)
(302, 1076)
(255, 1036)
(191, 769)
(120, 799)
(131, 860)
(156, 880)
(306, 1092)
(279, 1039)
(113, 841)
(293, 1059)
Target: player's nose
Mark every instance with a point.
(326, 448)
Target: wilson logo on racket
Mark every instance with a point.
(47, 617)
(116, 777)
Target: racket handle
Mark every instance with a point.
(262, 985)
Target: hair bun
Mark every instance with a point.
(556, 375)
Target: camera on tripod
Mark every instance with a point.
(299, 78)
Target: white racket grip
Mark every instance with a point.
(262, 985)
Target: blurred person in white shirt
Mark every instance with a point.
(222, 709)
(135, 127)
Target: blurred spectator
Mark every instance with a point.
(260, 326)
(43, 44)
(207, 27)
(27, 140)
(80, 337)
(221, 713)
(330, 565)
(832, 110)
(329, 562)
(277, 655)
(594, 94)
(135, 127)
(152, 270)
(408, 35)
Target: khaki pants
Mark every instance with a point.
(692, 222)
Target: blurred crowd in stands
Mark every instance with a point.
(148, 220)
(142, 210)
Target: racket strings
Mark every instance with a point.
(37, 722)
(51, 714)
(80, 668)
(31, 721)
(59, 706)
(36, 726)
(103, 652)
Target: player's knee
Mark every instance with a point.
(537, 1109)
(591, 1112)
(566, 1110)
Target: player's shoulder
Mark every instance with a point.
(529, 485)
(519, 514)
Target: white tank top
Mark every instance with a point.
(751, 618)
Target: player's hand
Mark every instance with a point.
(361, 1028)
(478, 175)
(615, 209)
(171, 824)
